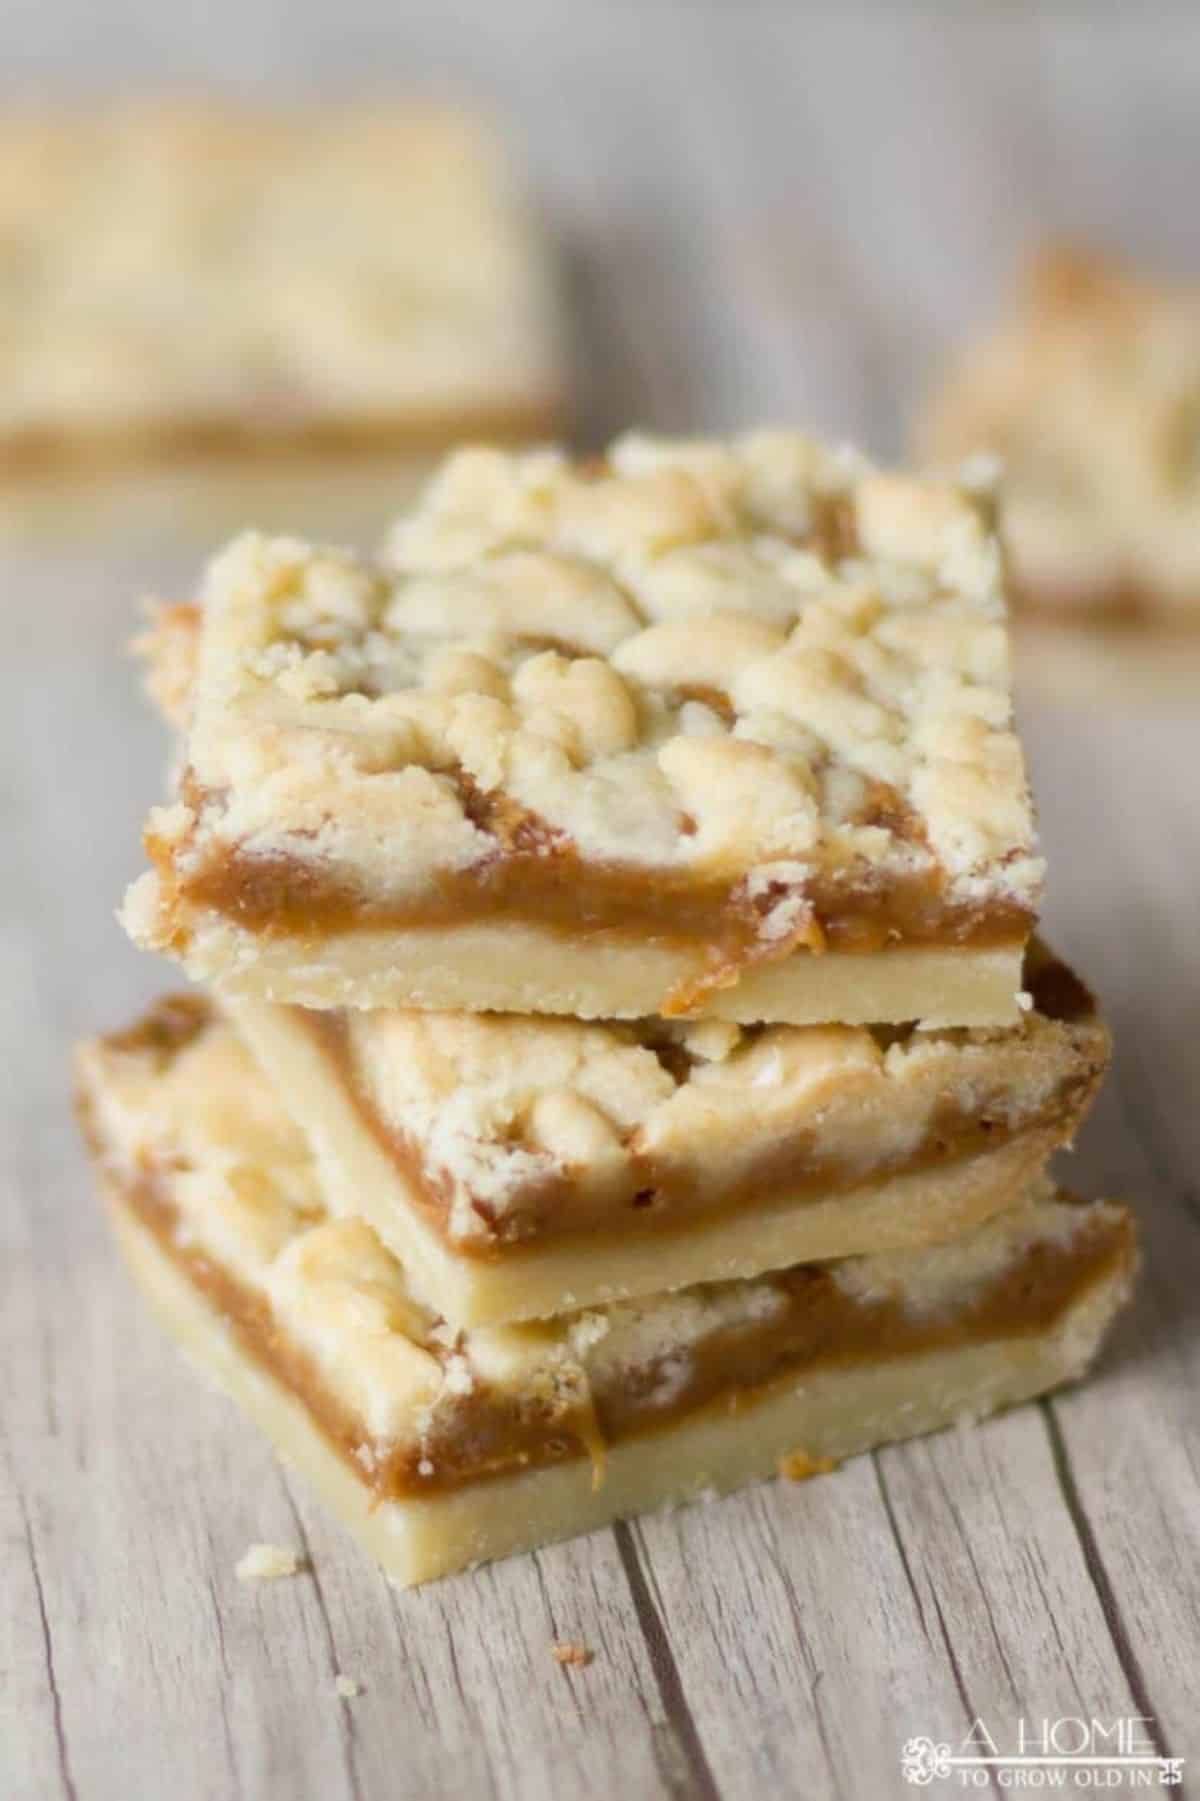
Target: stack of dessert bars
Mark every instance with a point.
(626, 1068)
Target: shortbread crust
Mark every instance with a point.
(524, 1167)
(192, 277)
(1089, 392)
(695, 718)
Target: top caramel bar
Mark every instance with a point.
(1089, 392)
(191, 276)
(699, 727)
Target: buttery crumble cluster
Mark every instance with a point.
(268, 1563)
(750, 659)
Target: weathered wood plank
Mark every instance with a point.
(1129, 1456)
(791, 1618)
(468, 1665)
(1001, 1567)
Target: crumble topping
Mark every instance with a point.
(745, 661)
(160, 271)
(1090, 393)
(168, 646)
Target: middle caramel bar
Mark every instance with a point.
(523, 1167)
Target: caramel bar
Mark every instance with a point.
(697, 729)
(440, 1448)
(523, 1167)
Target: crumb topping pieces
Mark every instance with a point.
(268, 1563)
(729, 659)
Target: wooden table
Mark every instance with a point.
(768, 213)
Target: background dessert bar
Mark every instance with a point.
(1087, 391)
(199, 277)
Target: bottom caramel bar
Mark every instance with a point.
(830, 1413)
(443, 1448)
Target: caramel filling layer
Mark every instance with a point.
(536, 877)
(658, 1196)
(817, 1326)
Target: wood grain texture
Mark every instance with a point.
(766, 211)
